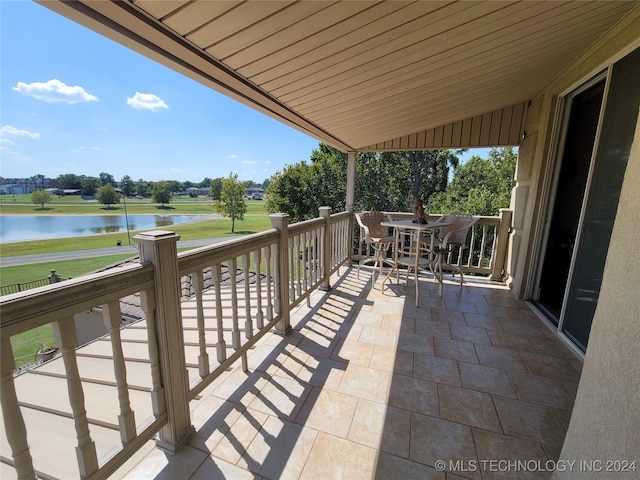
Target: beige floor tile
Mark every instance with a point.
(235, 441)
(381, 427)
(434, 439)
(333, 457)
(483, 321)
(460, 306)
(392, 360)
(506, 359)
(281, 397)
(447, 316)
(328, 411)
(280, 450)
(411, 342)
(436, 369)
(414, 394)
(493, 448)
(392, 467)
(364, 317)
(514, 341)
(398, 323)
(531, 422)
(486, 379)
(216, 469)
(365, 383)
(455, 350)
(540, 390)
(548, 366)
(432, 329)
(469, 407)
(212, 418)
(321, 372)
(159, 465)
(355, 353)
(384, 337)
(469, 334)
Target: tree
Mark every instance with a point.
(480, 186)
(107, 178)
(161, 192)
(40, 197)
(215, 188)
(108, 196)
(90, 186)
(142, 187)
(126, 184)
(231, 203)
(69, 181)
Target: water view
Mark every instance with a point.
(17, 228)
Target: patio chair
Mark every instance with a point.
(449, 239)
(376, 237)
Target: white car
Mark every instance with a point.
(258, 196)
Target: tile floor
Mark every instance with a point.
(370, 386)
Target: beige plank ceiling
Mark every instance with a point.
(366, 75)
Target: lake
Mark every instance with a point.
(17, 228)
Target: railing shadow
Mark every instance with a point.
(255, 421)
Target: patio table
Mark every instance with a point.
(416, 254)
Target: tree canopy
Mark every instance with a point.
(162, 192)
(40, 197)
(480, 186)
(107, 195)
(231, 203)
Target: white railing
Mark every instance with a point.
(254, 282)
(484, 253)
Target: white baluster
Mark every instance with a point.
(112, 317)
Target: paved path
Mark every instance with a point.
(99, 252)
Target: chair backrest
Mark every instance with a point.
(457, 232)
(372, 221)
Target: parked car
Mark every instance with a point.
(258, 196)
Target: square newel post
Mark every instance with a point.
(160, 248)
(325, 212)
(280, 221)
(502, 238)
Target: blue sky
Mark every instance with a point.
(72, 101)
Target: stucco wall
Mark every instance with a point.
(605, 424)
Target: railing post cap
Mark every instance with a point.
(278, 215)
(155, 236)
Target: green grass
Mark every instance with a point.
(26, 345)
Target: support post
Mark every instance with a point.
(280, 221)
(351, 180)
(159, 247)
(325, 212)
(502, 242)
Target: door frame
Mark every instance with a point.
(551, 179)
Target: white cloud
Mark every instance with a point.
(146, 101)
(9, 131)
(54, 91)
(249, 162)
(267, 162)
(233, 155)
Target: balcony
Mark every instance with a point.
(348, 381)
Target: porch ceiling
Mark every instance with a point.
(361, 74)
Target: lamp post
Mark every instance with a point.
(126, 218)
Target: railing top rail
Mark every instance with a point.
(29, 309)
(198, 258)
(306, 226)
(336, 217)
